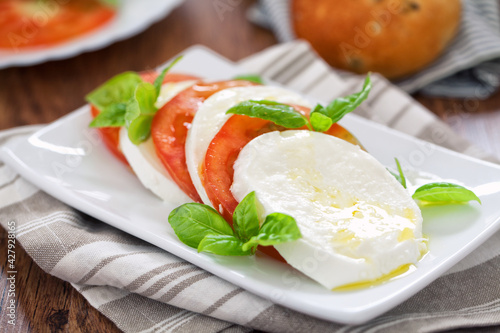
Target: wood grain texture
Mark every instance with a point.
(45, 92)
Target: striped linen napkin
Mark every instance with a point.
(142, 288)
(470, 67)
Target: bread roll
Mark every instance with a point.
(393, 37)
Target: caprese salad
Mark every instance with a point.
(253, 166)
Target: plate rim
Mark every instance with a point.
(85, 42)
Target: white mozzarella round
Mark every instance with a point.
(357, 222)
(211, 116)
(150, 171)
(170, 90)
(144, 160)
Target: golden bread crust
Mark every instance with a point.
(393, 37)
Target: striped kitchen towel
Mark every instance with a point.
(142, 288)
(469, 68)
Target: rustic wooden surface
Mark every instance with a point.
(45, 92)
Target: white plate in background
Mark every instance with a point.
(67, 160)
(132, 17)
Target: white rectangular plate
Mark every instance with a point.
(67, 160)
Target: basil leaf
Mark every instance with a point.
(277, 228)
(132, 112)
(280, 114)
(140, 129)
(250, 77)
(320, 122)
(111, 116)
(343, 105)
(145, 95)
(444, 193)
(223, 245)
(192, 222)
(140, 112)
(401, 177)
(246, 218)
(159, 80)
(118, 89)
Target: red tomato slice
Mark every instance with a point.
(150, 76)
(30, 23)
(217, 172)
(111, 135)
(171, 124)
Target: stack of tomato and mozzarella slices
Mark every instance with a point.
(357, 223)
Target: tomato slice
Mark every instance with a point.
(150, 76)
(111, 135)
(171, 124)
(31, 23)
(217, 171)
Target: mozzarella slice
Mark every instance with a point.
(150, 171)
(170, 90)
(144, 160)
(211, 116)
(357, 222)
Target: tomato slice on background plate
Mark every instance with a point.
(171, 124)
(33, 23)
(217, 170)
(111, 135)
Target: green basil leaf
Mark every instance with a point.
(401, 177)
(141, 103)
(111, 116)
(250, 77)
(224, 245)
(118, 89)
(145, 95)
(277, 228)
(159, 80)
(192, 222)
(280, 114)
(444, 193)
(132, 112)
(246, 218)
(343, 105)
(140, 112)
(320, 122)
(140, 129)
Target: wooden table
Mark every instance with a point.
(43, 93)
